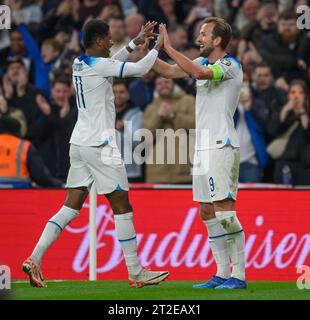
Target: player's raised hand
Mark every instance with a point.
(160, 39)
(163, 31)
(147, 32)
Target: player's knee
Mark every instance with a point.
(121, 208)
(206, 211)
(120, 205)
(76, 197)
(229, 221)
(119, 202)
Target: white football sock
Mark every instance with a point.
(127, 237)
(235, 242)
(52, 231)
(218, 244)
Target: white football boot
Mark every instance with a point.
(147, 278)
(34, 272)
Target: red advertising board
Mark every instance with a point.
(170, 234)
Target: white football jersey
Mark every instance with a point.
(93, 78)
(216, 103)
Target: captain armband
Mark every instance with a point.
(217, 72)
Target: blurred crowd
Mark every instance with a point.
(37, 100)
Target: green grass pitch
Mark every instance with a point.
(174, 290)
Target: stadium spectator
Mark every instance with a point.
(111, 10)
(63, 65)
(178, 37)
(27, 11)
(48, 5)
(16, 50)
(126, 111)
(44, 60)
(90, 8)
(263, 87)
(169, 12)
(118, 34)
(202, 9)
(63, 19)
(284, 50)
(291, 130)
(243, 12)
(284, 5)
(172, 109)
(21, 95)
(142, 90)
(133, 25)
(194, 29)
(128, 7)
(250, 119)
(233, 45)
(54, 130)
(264, 24)
(20, 163)
(248, 55)
(7, 111)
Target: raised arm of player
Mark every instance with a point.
(188, 66)
(164, 69)
(115, 68)
(145, 34)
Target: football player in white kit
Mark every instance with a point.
(94, 156)
(219, 79)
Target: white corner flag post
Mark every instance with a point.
(92, 234)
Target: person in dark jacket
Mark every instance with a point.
(263, 25)
(23, 96)
(263, 88)
(284, 50)
(293, 165)
(55, 129)
(169, 12)
(250, 118)
(128, 121)
(16, 50)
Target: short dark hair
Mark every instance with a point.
(62, 79)
(288, 15)
(93, 30)
(13, 60)
(262, 65)
(221, 29)
(121, 82)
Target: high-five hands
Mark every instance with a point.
(163, 38)
(163, 31)
(146, 33)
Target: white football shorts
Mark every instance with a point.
(102, 165)
(217, 174)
